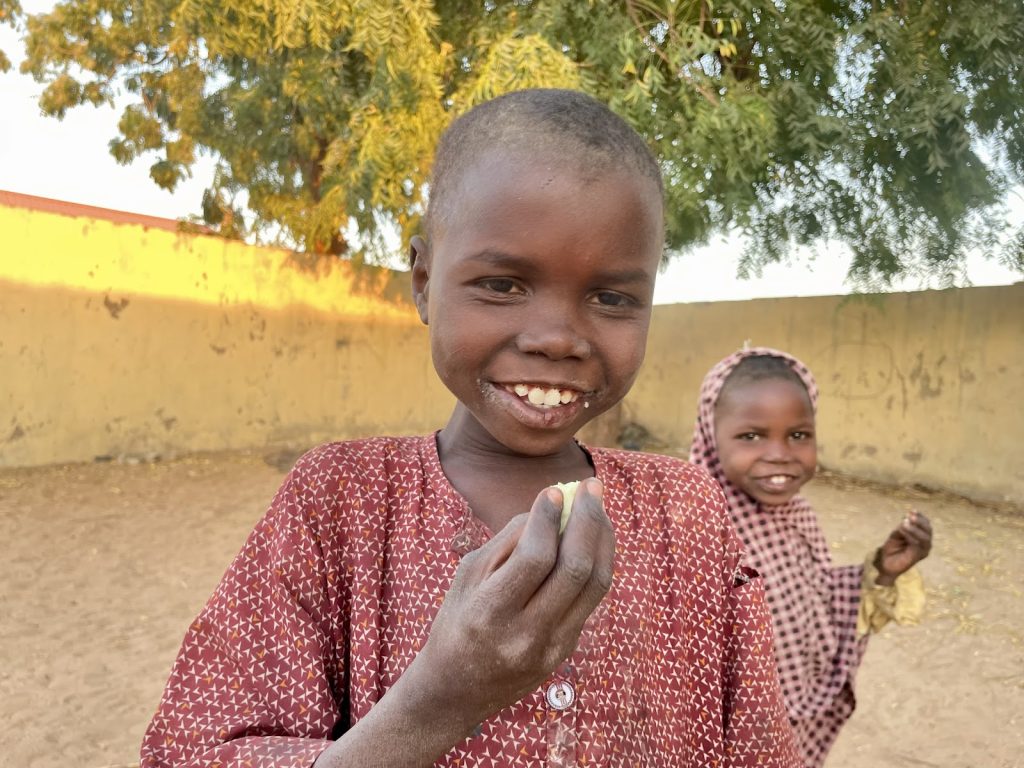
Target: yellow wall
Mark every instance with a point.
(915, 387)
(118, 340)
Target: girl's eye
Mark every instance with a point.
(802, 435)
(749, 436)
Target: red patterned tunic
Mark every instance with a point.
(335, 590)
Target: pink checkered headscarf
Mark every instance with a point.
(813, 603)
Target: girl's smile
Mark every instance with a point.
(765, 435)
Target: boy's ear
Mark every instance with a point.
(419, 255)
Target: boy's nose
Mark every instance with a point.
(553, 335)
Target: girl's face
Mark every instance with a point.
(765, 435)
(537, 289)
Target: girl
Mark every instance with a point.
(755, 433)
(408, 601)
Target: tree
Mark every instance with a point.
(10, 12)
(892, 127)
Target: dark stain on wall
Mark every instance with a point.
(257, 327)
(167, 421)
(918, 375)
(114, 307)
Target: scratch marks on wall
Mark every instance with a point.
(862, 370)
(923, 378)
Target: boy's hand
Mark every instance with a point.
(908, 544)
(518, 604)
(513, 613)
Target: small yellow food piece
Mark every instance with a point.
(568, 494)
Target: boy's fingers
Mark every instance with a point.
(492, 555)
(530, 561)
(598, 585)
(583, 569)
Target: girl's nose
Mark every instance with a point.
(777, 451)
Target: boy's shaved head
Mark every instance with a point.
(542, 123)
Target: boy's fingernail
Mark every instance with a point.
(595, 487)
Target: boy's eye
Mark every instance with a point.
(802, 435)
(499, 284)
(612, 299)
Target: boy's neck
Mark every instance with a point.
(497, 483)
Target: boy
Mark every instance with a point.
(410, 602)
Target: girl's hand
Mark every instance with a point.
(518, 604)
(908, 544)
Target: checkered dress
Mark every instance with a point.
(813, 602)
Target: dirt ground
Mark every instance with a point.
(107, 564)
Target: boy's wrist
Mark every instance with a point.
(413, 724)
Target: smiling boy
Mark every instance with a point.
(408, 601)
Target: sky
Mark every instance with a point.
(69, 160)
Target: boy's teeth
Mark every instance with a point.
(546, 398)
(552, 397)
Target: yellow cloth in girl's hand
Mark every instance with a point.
(903, 602)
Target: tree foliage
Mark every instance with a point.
(10, 13)
(893, 127)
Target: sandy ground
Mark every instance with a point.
(105, 565)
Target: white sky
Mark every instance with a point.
(69, 160)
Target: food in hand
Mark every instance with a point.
(568, 494)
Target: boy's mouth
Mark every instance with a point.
(543, 396)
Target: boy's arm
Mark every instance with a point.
(756, 724)
(251, 683)
(757, 728)
(514, 611)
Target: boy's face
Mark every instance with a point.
(765, 436)
(537, 289)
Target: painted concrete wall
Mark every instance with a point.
(120, 339)
(915, 387)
